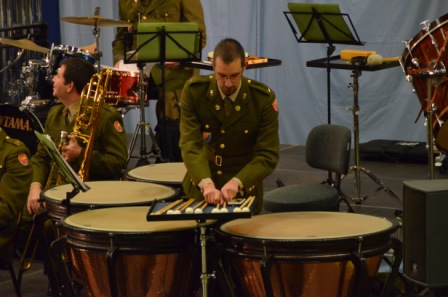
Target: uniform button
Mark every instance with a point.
(223, 131)
(219, 172)
(144, 17)
(222, 146)
(207, 126)
(166, 14)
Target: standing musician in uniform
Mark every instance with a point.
(228, 150)
(109, 154)
(134, 11)
(15, 177)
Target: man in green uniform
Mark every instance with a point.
(228, 150)
(109, 155)
(162, 11)
(15, 178)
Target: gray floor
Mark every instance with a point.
(292, 169)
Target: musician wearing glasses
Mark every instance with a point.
(109, 154)
(229, 131)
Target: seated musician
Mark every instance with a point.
(15, 177)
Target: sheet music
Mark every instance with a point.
(64, 168)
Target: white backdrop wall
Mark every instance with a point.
(388, 108)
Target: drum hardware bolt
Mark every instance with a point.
(360, 239)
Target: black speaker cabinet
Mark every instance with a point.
(425, 223)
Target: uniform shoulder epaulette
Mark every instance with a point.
(14, 141)
(198, 79)
(259, 86)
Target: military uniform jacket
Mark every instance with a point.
(109, 154)
(244, 144)
(15, 179)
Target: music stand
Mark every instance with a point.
(159, 42)
(64, 169)
(322, 23)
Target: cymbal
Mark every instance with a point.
(25, 44)
(95, 20)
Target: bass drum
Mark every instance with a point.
(305, 254)
(21, 124)
(426, 53)
(120, 253)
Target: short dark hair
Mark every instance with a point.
(229, 50)
(79, 71)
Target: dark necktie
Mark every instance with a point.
(227, 105)
(66, 116)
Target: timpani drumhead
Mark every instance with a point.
(123, 220)
(305, 226)
(104, 194)
(161, 173)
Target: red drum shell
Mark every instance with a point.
(151, 258)
(425, 54)
(123, 88)
(311, 252)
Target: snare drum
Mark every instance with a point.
(20, 124)
(149, 258)
(305, 254)
(170, 174)
(103, 194)
(123, 88)
(62, 52)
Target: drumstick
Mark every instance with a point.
(216, 209)
(238, 209)
(185, 205)
(247, 207)
(163, 210)
(191, 209)
(199, 210)
(224, 207)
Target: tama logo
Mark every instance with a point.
(15, 123)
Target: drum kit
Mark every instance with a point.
(21, 119)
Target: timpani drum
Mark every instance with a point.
(104, 194)
(170, 174)
(305, 254)
(121, 254)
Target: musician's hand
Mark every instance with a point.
(230, 190)
(33, 205)
(211, 194)
(72, 150)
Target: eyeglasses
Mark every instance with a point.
(231, 78)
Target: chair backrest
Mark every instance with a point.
(328, 148)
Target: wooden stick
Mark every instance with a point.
(166, 208)
(245, 203)
(185, 205)
(251, 198)
(199, 204)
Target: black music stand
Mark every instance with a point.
(158, 42)
(64, 169)
(322, 23)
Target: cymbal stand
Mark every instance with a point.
(357, 169)
(142, 126)
(205, 276)
(96, 33)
